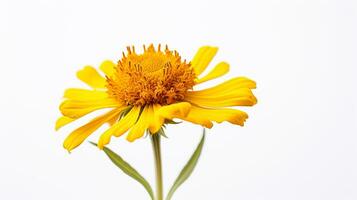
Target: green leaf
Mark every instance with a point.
(162, 133)
(127, 169)
(188, 169)
(169, 121)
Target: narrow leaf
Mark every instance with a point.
(162, 133)
(188, 169)
(168, 121)
(127, 169)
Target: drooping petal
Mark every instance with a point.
(91, 77)
(80, 134)
(138, 130)
(75, 109)
(114, 120)
(219, 70)
(176, 110)
(205, 116)
(62, 121)
(84, 94)
(108, 67)
(234, 97)
(202, 58)
(157, 121)
(120, 127)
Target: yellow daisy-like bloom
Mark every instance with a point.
(145, 90)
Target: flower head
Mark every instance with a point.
(145, 89)
(153, 77)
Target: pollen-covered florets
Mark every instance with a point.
(153, 77)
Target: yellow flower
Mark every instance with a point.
(145, 90)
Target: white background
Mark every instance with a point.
(299, 142)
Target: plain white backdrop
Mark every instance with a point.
(299, 142)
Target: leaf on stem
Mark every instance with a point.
(127, 169)
(188, 169)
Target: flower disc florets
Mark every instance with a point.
(153, 77)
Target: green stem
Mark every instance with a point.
(155, 139)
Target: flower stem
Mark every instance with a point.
(155, 139)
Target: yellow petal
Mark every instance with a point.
(202, 58)
(196, 117)
(76, 109)
(120, 127)
(235, 97)
(114, 120)
(176, 110)
(84, 95)
(156, 121)
(232, 84)
(240, 101)
(138, 130)
(90, 76)
(201, 51)
(80, 134)
(62, 121)
(108, 67)
(204, 116)
(219, 70)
